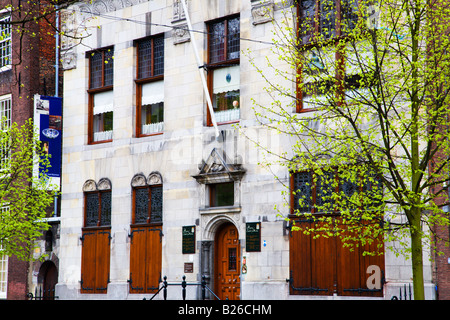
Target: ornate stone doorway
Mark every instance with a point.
(227, 260)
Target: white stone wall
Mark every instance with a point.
(176, 154)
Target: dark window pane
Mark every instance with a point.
(232, 265)
(348, 188)
(222, 194)
(324, 190)
(349, 15)
(105, 219)
(151, 57)
(217, 42)
(141, 205)
(153, 113)
(101, 69)
(91, 209)
(302, 191)
(233, 46)
(226, 100)
(109, 68)
(328, 19)
(103, 126)
(158, 56)
(145, 59)
(307, 24)
(96, 69)
(157, 204)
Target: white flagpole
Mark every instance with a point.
(199, 64)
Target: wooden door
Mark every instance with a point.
(145, 259)
(95, 262)
(354, 268)
(227, 268)
(50, 280)
(311, 261)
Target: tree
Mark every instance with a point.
(24, 194)
(24, 27)
(365, 99)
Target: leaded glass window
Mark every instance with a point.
(217, 42)
(141, 205)
(96, 70)
(92, 205)
(98, 208)
(327, 18)
(307, 24)
(105, 210)
(151, 57)
(148, 204)
(233, 34)
(156, 207)
(313, 193)
(226, 31)
(101, 68)
(302, 191)
(324, 190)
(322, 18)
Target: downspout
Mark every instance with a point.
(200, 66)
(57, 53)
(55, 201)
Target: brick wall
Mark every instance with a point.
(33, 72)
(17, 279)
(441, 265)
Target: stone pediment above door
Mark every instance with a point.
(218, 169)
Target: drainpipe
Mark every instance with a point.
(200, 67)
(55, 201)
(57, 53)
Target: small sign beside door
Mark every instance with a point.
(253, 236)
(188, 239)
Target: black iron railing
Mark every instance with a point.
(183, 285)
(403, 294)
(41, 294)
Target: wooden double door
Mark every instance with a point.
(227, 263)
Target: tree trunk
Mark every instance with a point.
(417, 260)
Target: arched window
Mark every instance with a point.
(147, 199)
(97, 203)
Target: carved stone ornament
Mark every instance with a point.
(180, 34)
(104, 184)
(69, 60)
(262, 12)
(217, 169)
(178, 12)
(139, 180)
(104, 6)
(154, 178)
(89, 186)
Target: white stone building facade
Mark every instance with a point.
(179, 153)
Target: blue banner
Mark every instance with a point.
(48, 112)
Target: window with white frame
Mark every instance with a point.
(3, 273)
(5, 114)
(3, 264)
(5, 40)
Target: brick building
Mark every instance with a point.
(27, 68)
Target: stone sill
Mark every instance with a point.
(218, 210)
